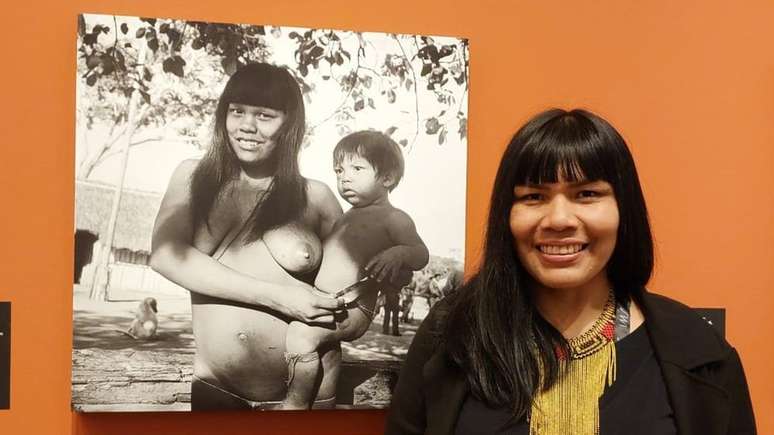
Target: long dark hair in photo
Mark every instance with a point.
(493, 331)
(265, 85)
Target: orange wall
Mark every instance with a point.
(690, 85)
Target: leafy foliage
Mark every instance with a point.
(177, 68)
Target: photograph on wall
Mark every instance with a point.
(263, 214)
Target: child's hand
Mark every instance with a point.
(386, 265)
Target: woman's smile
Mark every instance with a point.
(249, 144)
(560, 254)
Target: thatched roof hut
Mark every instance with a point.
(93, 203)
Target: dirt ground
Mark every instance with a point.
(112, 371)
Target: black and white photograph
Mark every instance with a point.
(264, 214)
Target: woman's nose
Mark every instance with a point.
(559, 214)
(249, 124)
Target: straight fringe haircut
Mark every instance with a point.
(493, 331)
(265, 85)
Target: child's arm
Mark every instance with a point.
(409, 252)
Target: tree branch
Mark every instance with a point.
(115, 49)
(416, 93)
(131, 144)
(467, 79)
(92, 163)
(115, 32)
(177, 46)
(346, 97)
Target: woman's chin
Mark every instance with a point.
(563, 279)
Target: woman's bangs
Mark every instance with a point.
(261, 90)
(570, 158)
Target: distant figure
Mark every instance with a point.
(145, 323)
(406, 303)
(433, 293)
(453, 281)
(391, 311)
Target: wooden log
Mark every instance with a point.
(137, 380)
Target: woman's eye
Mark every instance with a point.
(264, 116)
(529, 197)
(236, 111)
(588, 194)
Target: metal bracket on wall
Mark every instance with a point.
(5, 355)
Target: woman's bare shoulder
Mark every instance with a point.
(323, 206)
(181, 176)
(317, 187)
(178, 189)
(179, 182)
(318, 192)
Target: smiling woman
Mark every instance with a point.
(556, 332)
(241, 229)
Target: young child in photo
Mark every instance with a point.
(370, 246)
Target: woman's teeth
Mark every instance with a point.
(248, 144)
(560, 250)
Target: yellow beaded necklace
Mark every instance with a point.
(571, 405)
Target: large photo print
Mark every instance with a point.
(263, 214)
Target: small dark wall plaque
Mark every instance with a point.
(5, 355)
(715, 317)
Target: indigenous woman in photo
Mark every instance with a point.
(241, 229)
(556, 333)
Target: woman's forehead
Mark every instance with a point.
(253, 107)
(563, 184)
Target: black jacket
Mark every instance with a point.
(702, 372)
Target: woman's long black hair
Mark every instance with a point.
(493, 331)
(265, 85)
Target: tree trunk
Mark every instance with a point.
(101, 284)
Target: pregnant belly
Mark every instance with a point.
(241, 348)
